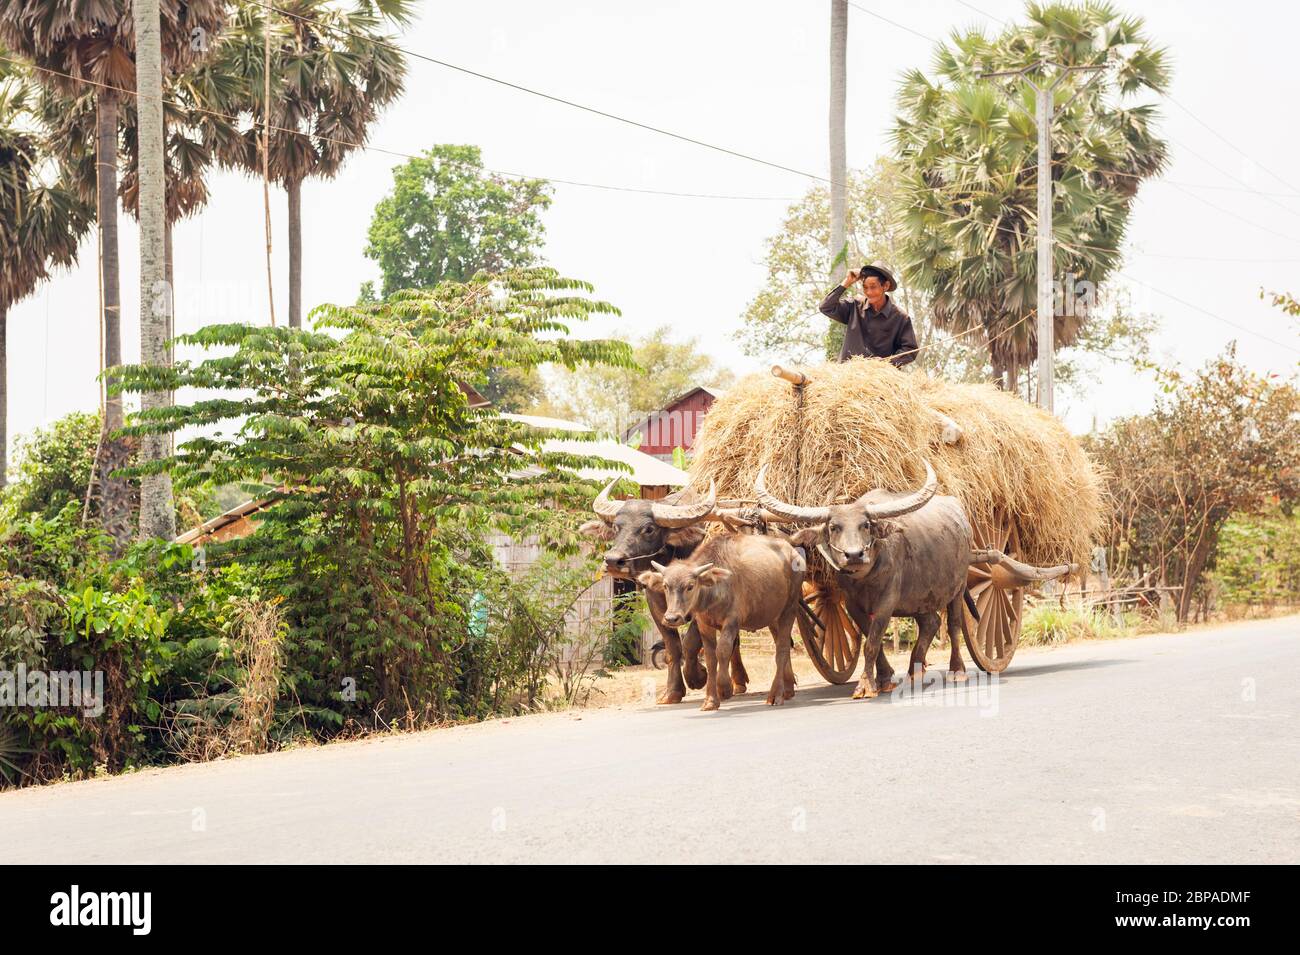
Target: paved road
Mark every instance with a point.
(1160, 749)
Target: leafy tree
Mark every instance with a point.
(968, 195)
(386, 480)
(1220, 443)
(53, 466)
(1258, 559)
(611, 398)
(333, 69)
(514, 389)
(41, 220)
(447, 219)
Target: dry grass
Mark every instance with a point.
(864, 424)
(258, 624)
(239, 719)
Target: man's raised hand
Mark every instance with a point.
(850, 277)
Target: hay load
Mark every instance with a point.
(863, 424)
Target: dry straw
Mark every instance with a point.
(865, 424)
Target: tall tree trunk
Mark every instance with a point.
(999, 369)
(106, 189)
(295, 253)
(266, 159)
(838, 160)
(115, 493)
(157, 508)
(4, 397)
(171, 323)
(1195, 566)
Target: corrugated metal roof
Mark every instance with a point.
(646, 470)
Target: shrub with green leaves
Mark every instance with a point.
(115, 634)
(386, 479)
(1258, 560)
(53, 466)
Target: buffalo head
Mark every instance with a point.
(852, 530)
(641, 530)
(681, 584)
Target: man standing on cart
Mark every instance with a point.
(877, 328)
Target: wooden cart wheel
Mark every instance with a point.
(835, 646)
(1000, 599)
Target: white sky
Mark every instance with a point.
(752, 76)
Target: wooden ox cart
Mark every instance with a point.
(1028, 489)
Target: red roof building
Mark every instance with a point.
(675, 425)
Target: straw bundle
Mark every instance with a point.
(864, 424)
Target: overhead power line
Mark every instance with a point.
(543, 95)
(892, 23)
(391, 152)
(1232, 144)
(404, 155)
(1204, 311)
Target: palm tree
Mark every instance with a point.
(87, 48)
(332, 70)
(969, 160)
(42, 220)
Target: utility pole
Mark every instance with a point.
(157, 509)
(1044, 113)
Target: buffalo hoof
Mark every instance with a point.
(916, 674)
(739, 688)
(958, 676)
(789, 693)
(889, 686)
(776, 696)
(865, 692)
(695, 678)
(709, 706)
(670, 696)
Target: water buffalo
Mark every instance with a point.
(640, 531)
(895, 555)
(734, 582)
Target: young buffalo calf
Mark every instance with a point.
(734, 582)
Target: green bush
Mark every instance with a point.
(53, 466)
(372, 556)
(116, 635)
(387, 481)
(1046, 623)
(1258, 560)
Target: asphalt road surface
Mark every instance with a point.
(1169, 749)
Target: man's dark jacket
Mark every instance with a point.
(884, 334)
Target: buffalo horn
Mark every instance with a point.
(682, 515)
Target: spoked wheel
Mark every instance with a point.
(1000, 597)
(835, 645)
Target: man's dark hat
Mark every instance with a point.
(880, 272)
